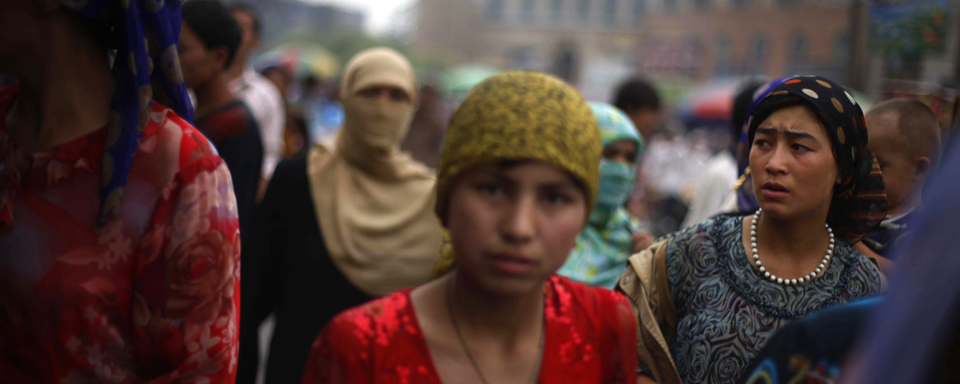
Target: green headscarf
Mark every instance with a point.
(600, 255)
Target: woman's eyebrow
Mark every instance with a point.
(795, 135)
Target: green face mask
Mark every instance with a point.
(616, 183)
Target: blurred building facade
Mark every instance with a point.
(683, 41)
(283, 18)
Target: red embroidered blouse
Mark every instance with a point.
(590, 338)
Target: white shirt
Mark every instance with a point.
(716, 182)
(264, 100)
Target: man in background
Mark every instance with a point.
(208, 42)
(260, 95)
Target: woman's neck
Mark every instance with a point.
(502, 318)
(65, 88)
(792, 243)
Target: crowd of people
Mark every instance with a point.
(161, 201)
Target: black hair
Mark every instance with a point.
(214, 25)
(636, 95)
(250, 10)
(741, 103)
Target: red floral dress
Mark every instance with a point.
(152, 296)
(590, 338)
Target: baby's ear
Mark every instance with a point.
(923, 166)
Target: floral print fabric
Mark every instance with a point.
(727, 311)
(152, 296)
(590, 338)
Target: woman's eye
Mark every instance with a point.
(557, 198)
(800, 148)
(490, 189)
(761, 143)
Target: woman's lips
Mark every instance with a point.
(513, 265)
(774, 190)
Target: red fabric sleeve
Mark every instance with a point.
(186, 291)
(336, 355)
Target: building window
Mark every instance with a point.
(523, 58)
(758, 55)
(798, 46)
(584, 10)
(788, 3)
(494, 11)
(723, 47)
(639, 8)
(670, 5)
(611, 11)
(557, 9)
(722, 64)
(527, 12)
(841, 48)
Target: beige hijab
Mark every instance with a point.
(375, 203)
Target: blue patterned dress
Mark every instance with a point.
(727, 311)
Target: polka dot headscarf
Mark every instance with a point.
(860, 200)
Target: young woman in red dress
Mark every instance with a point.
(517, 178)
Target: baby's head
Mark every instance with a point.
(905, 137)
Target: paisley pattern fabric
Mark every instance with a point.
(590, 338)
(145, 34)
(727, 311)
(860, 200)
(519, 116)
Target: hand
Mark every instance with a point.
(641, 240)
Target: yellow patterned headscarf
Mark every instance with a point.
(519, 116)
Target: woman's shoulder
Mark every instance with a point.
(379, 319)
(294, 167)
(600, 306)
(864, 272)
(694, 239)
(168, 135)
(366, 341)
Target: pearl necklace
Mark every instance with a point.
(775, 279)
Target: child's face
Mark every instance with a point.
(512, 227)
(897, 163)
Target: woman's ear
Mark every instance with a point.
(923, 167)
